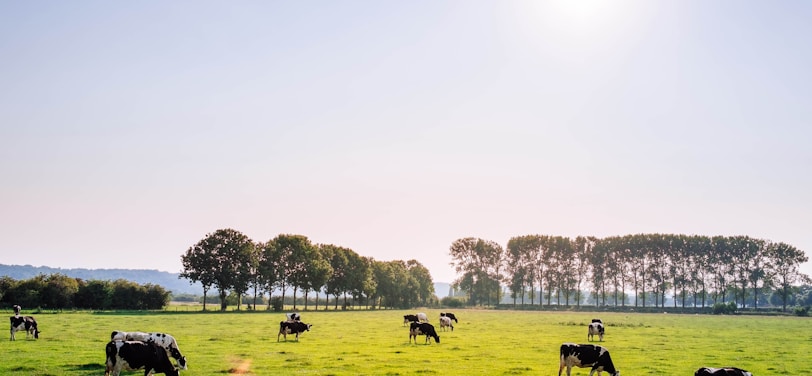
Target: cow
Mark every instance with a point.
(449, 315)
(133, 355)
(597, 320)
(422, 317)
(27, 323)
(17, 310)
(595, 328)
(422, 328)
(292, 327)
(445, 322)
(293, 316)
(724, 371)
(410, 318)
(583, 356)
(166, 341)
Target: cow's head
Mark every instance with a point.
(180, 358)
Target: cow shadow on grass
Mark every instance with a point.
(84, 369)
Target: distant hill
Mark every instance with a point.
(169, 281)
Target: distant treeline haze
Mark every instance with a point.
(692, 270)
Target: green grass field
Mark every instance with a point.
(484, 342)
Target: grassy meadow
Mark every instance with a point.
(484, 342)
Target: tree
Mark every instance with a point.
(293, 252)
(785, 261)
(422, 278)
(222, 259)
(479, 261)
(59, 291)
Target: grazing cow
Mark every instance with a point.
(422, 317)
(445, 322)
(27, 323)
(583, 356)
(595, 328)
(292, 327)
(132, 355)
(166, 341)
(597, 320)
(422, 328)
(724, 371)
(449, 315)
(17, 310)
(293, 316)
(410, 318)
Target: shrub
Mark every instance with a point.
(801, 311)
(451, 302)
(276, 304)
(724, 309)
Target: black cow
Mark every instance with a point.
(27, 323)
(410, 318)
(583, 356)
(132, 355)
(450, 316)
(597, 320)
(422, 328)
(724, 371)
(292, 327)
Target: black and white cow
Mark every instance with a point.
(26, 323)
(445, 322)
(132, 355)
(595, 328)
(293, 316)
(165, 341)
(422, 328)
(17, 310)
(292, 327)
(449, 315)
(410, 318)
(724, 371)
(597, 320)
(597, 357)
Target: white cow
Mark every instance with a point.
(445, 322)
(422, 317)
(161, 339)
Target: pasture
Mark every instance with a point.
(484, 342)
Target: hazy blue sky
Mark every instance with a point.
(130, 130)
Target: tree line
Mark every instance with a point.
(228, 261)
(58, 292)
(693, 270)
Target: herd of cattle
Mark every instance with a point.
(152, 351)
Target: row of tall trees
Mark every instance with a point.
(58, 291)
(690, 269)
(228, 261)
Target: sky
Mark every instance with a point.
(131, 130)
